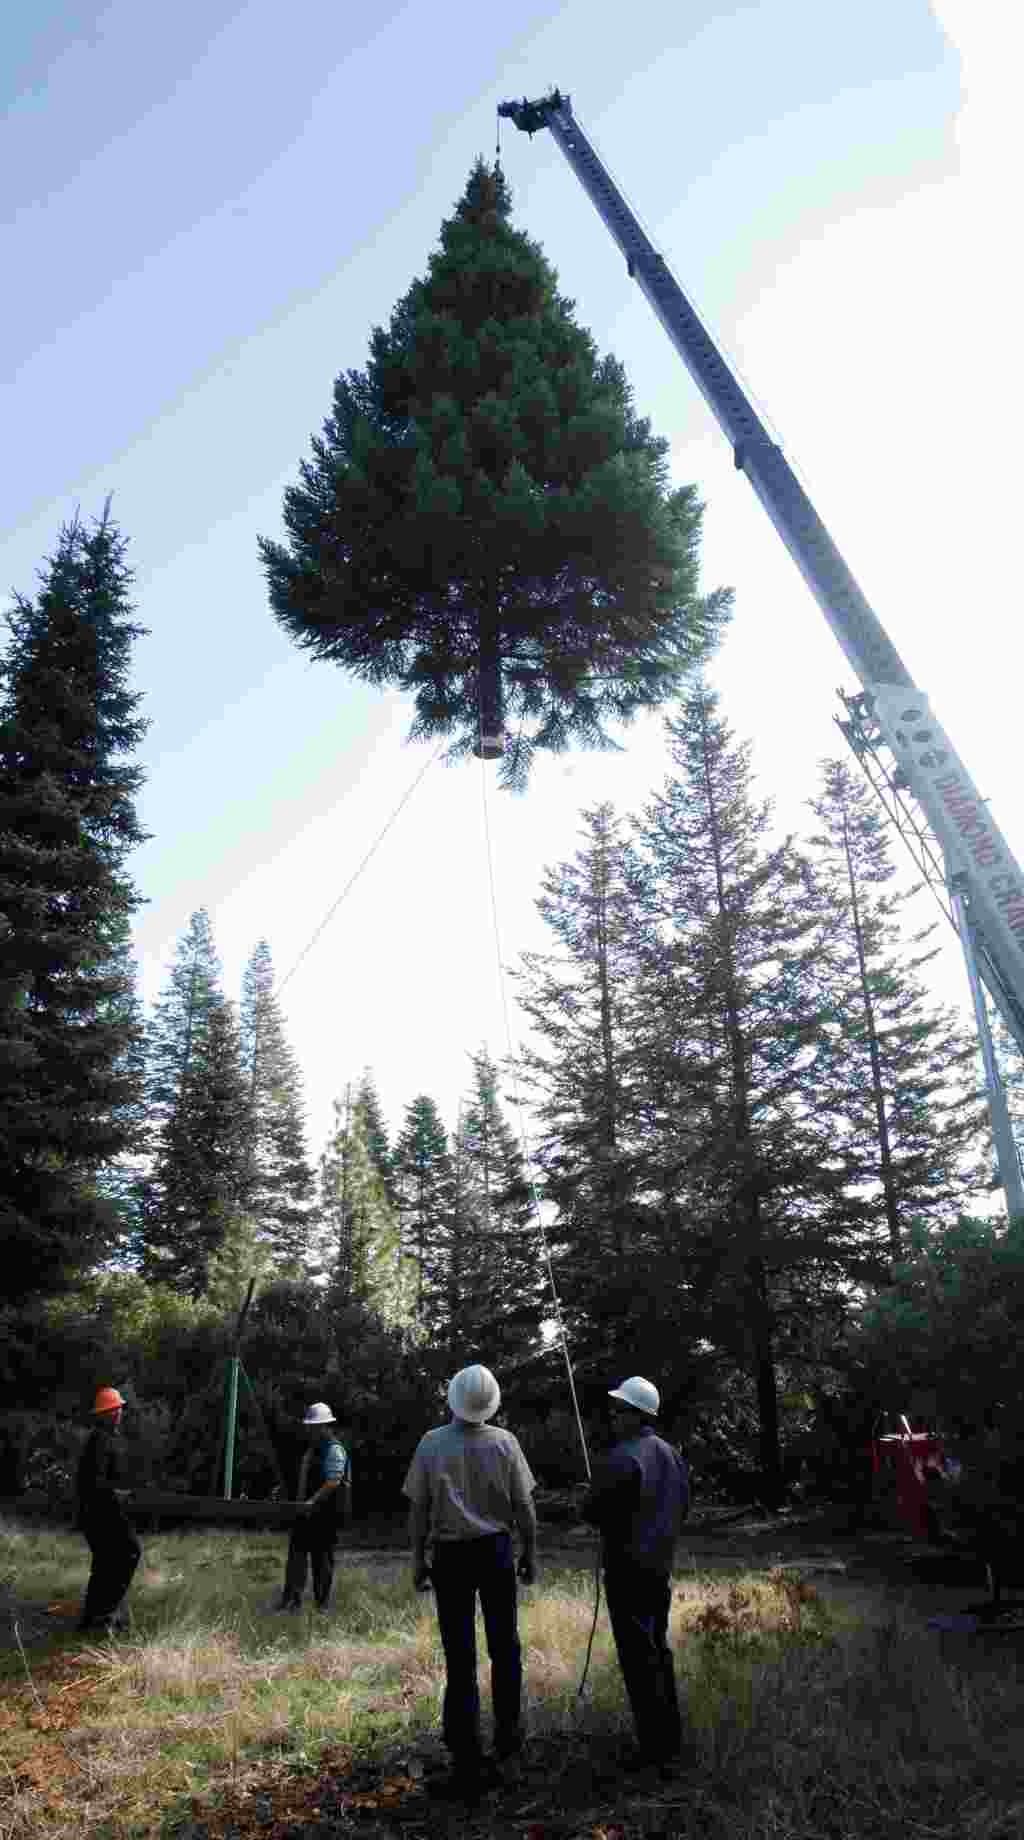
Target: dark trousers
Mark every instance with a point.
(638, 1608)
(461, 1569)
(115, 1554)
(312, 1544)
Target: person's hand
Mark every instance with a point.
(421, 1577)
(526, 1570)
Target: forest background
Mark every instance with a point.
(754, 1141)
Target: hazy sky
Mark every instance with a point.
(206, 210)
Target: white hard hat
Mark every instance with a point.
(639, 1394)
(474, 1394)
(319, 1415)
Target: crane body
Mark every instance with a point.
(985, 881)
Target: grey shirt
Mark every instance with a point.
(468, 1481)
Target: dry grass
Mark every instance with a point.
(809, 1722)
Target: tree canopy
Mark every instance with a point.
(486, 522)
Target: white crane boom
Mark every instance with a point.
(985, 880)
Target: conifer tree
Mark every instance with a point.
(486, 522)
(903, 1098)
(578, 999)
(70, 1029)
(738, 1047)
(199, 1117)
(368, 1102)
(494, 1279)
(278, 1180)
(359, 1227)
(424, 1180)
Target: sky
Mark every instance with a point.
(208, 208)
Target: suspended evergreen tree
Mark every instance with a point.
(424, 1180)
(70, 1030)
(199, 1115)
(904, 1099)
(279, 1184)
(494, 1279)
(486, 522)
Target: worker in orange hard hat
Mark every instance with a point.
(101, 1517)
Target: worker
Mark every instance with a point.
(101, 1517)
(468, 1485)
(324, 1494)
(639, 1497)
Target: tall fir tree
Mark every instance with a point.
(358, 1224)
(199, 1117)
(279, 1184)
(494, 1278)
(486, 522)
(581, 1080)
(368, 1102)
(904, 1099)
(738, 1056)
(70, 1028)
(424, 1182)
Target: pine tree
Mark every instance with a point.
(359, 1227)
(494, 1276)
(278, 1180)
(903, 1100)
(486, 521)
(199, 1116)
(737, 1055)
(424, 1181)
(368, 1102)
(69, 1023)
(578, 1000)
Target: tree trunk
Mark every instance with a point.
(491, 711)
(756, 1297)
(892, 1212)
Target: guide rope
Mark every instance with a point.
(354, 877)
(541, 1229)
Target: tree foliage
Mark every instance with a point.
(70, 1030)
(199, 1117)
(277, 1180)
(486, 522)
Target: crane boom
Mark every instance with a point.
(977, 856)
(986, 884)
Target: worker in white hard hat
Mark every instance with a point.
(468, 1485)
(639, 1497)
(324, 1494)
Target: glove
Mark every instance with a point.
(526, 1571)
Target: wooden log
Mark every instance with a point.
(161, 1504)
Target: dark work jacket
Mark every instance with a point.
(334, 1511)
(99, 1475)
(639, 1498)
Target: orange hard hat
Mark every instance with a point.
(107, 1400)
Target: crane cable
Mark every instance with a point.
(357, 872)
(528, 1166)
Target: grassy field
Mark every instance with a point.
(214, 1716)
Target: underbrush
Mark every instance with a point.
(806, 1719)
